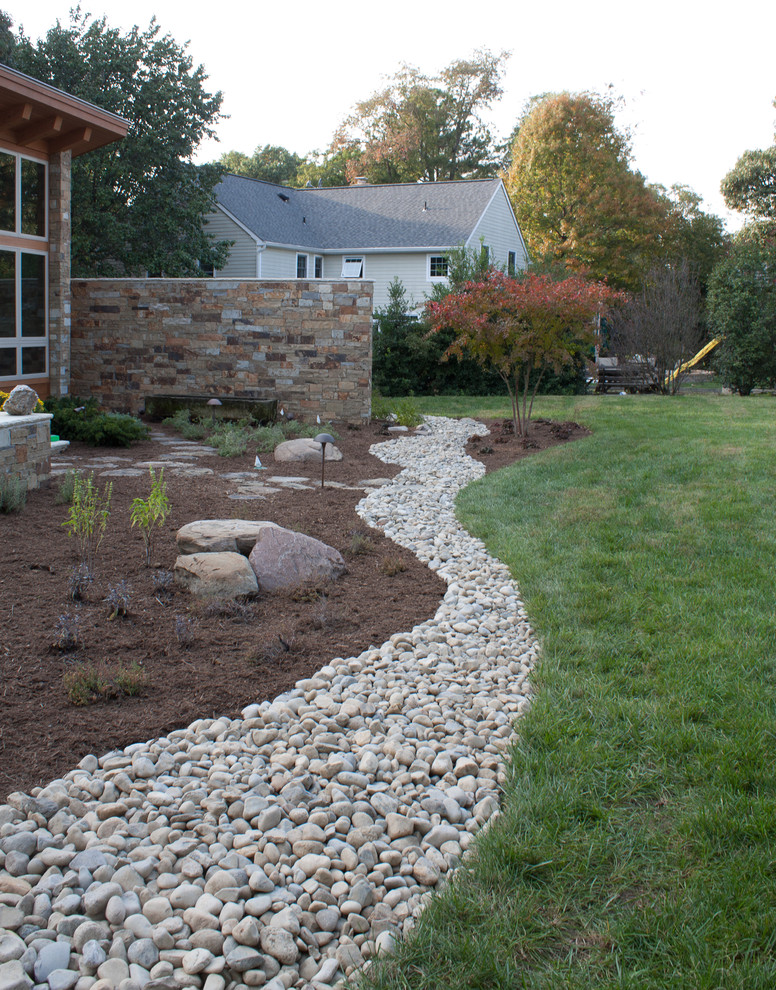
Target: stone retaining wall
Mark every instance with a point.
(306, 343)
(25, 447)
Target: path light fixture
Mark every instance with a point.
(213, 403)
(323, 439)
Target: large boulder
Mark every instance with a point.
(305, 449)
(219, 536)
(216, 575)
(282, 558)
(23, 399)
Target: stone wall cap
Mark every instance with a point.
(6, 420)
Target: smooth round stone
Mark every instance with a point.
(143, 952)
(93, 954)
(62, 979)
(157, 909)
(279, 944)
(196, 961)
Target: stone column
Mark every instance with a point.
(59, 172)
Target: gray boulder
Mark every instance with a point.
(23, 399)
(215, 575)
(282, 558)
(305, 449)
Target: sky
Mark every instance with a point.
(698, 87)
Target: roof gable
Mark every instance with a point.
(409, 215)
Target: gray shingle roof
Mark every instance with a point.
(349, 218)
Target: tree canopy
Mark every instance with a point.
(750, 188)
(427, 127)
(576, 197)
(137, 206)
(270, 162)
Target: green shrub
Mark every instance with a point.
(85, 684)
(131, 680)
(404, 412)
(230, 439)
(75, 419)
(65, 487)
(88, 516)
(13, 494)
(150, 513)
(182, 422)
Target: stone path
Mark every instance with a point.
(286, 847)
(182, 460)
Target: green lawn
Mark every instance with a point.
(637, 843)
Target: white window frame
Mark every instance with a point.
(437, 278)
(306, 259)
(511, 263)
(18, 341)
(353, 266)
(18, 196)
(486, 253)
(317, 264)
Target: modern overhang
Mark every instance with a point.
(41, 119)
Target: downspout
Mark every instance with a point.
(259, 249)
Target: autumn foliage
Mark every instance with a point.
(522, 327)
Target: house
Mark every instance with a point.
(363, 231)
(41, 130)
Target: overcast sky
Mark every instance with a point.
(698, 79)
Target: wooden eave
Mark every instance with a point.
(43, 120)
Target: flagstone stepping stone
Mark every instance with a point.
(220, 535)
(282, 558)
(215, 575)
(305, 449)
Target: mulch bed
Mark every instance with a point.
(235, 655)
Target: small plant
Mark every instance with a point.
(85, 684)
(406, 412)
(162, 582)
(66, 487)
(67, 632)
(229, 608)
(360, 543)
(184, 630)
(131, 680)
(150, 513)
(75, 419)
(392, 566)
(79, 581)
(230, 439)
(13, 494)
(117, 599)
(188, 428)
(88, 516)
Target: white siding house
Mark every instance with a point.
(376, 233)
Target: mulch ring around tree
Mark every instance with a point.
(173, 658)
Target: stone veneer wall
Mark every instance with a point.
(306, 343)
(25, 447)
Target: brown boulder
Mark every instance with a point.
(219, 536)
(282, 558)
(305, 449)
(215, 575)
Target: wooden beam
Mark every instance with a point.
(15, 116)
(70, 139)
(40, 129)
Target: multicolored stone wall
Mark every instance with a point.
(306, 343)
(25, 447)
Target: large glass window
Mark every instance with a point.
(22, 195)
(7, 192)
(23, 328)
(33, 198)
(301, 266)
(438, 266)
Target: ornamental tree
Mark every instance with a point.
(522, 328)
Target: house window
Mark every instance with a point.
(438, 267)
(352, 268)
(511, 263)
(484, 255)
(301, 266)
(23, 323)
(318, 266)
(22, 195)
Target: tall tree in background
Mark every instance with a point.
(750, 187)
(138, 206)
(576, 197)
(692, 235)
(427, 127)
(269, 162)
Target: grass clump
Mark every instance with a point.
(635, 844)
(66, 487)
(86, 683)
(13, 494)
(401, 411)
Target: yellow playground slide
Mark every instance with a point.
(694, 360)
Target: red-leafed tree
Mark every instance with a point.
(522, 327)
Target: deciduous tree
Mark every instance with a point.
(576, 197)
(742, 310)
(270, 162)
(522, 328)
(138, 206)
(427, 127)
(750, 186)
